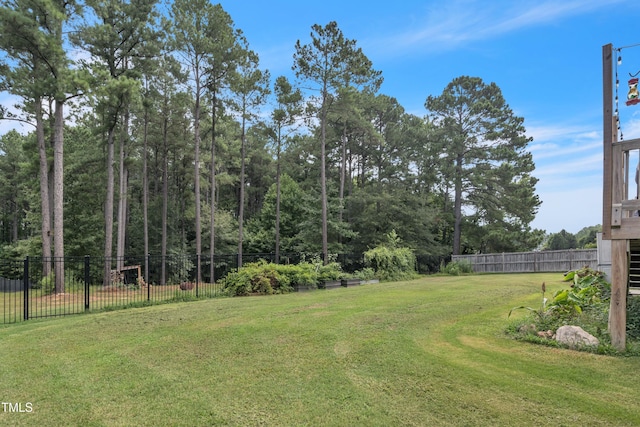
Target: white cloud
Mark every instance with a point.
(542, 148)
(568, 160)
(560, 147)
(534, 13)
(571, 169)
(551, 132)
(459, 22)
(564, 152)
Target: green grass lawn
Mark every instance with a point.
(429, 352)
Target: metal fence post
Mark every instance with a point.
(25, 287)
(87, 279)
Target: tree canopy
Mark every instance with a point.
(486, 165)
(175, 136)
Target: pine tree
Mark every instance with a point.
(483, 157)
(120, 34)
(331, 61)
(33, 35)
(285, 115)
(250, 86)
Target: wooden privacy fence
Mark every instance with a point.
(525, 262)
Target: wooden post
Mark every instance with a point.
(614, 191)
(618, 307)
(607, 113)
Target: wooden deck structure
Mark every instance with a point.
(620, 207)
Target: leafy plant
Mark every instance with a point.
(330, 271)
(46, 284)
(391, 262)
(455, 268)
(182, 267)
(268, 278)
(254, 278)
(365, 274)
(589, 288)
(633, 317)
(588, 277)
(583, 304)
(541, 315)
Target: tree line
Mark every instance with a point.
(585, 238)
(153, 129)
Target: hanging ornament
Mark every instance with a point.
(633, 97)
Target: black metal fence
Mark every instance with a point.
(29, 288)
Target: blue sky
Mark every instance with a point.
(546, 56)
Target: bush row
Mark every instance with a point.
(267, 278)
(387, 262)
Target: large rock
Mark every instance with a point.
(575, 337)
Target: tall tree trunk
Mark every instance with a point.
(58, 197)
(196, 161)
(241, 204)
(165, 201)
(44, 188)
(123, 194)
(457, 207)
(445, 211)
(14, 223)
(145, 193)
(278, 196)
(323, 180)
(343, 172)
(212, 224)
(108, 209)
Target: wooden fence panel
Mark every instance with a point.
(530, 262)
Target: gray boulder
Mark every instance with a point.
(575, 337)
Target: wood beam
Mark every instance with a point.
(607, 135)
(628, 144)
(629, 229)
(631, 205)
(618, 307)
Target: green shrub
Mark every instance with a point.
(331, 271)
(255, 278)
(633, 317)
(455, 268)
(47, 283)
(390, 261)
(267, 278)
(592, 282)
(365, 274)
